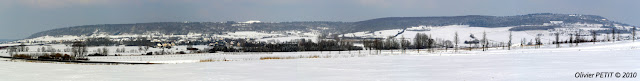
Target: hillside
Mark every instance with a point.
(181, 28)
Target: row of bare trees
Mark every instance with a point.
(420, 41)
(424, 41)
(577, 38)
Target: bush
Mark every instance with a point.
(57, 55)
(97, 54)
(181, 52)
(82, 59)
(66, 57)
(193, 49)
(46, 56)
(25, 56)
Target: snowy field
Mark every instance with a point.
(522, 63)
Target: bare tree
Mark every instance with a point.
(509, 44)
(105, 51)
(79, 50)
(146, 48)
(571, 40)
(140, 48)
(613, 31)
(484, 41)
(404, 44)
(189, 45)
(633, 34)
(594, 36)
(12, 51)
(578, 39)
(22, 48)
(430, 43)
(26, 49)
(557, 42)
(378, 44)
(522, 42)
(417, 41)
(608, 38)
(619, 38)
(390, 43)
(538, 42)
(447, 44)
(456, 40)
(421, 41)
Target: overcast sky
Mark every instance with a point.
(21, 18)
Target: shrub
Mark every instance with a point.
(25, 56)
(57, 55)
(46, 56)
(97, 54)
(267, 58)
(66, 57)
(181, 52)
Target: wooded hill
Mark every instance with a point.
(178, 28)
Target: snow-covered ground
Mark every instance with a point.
(521, 63)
